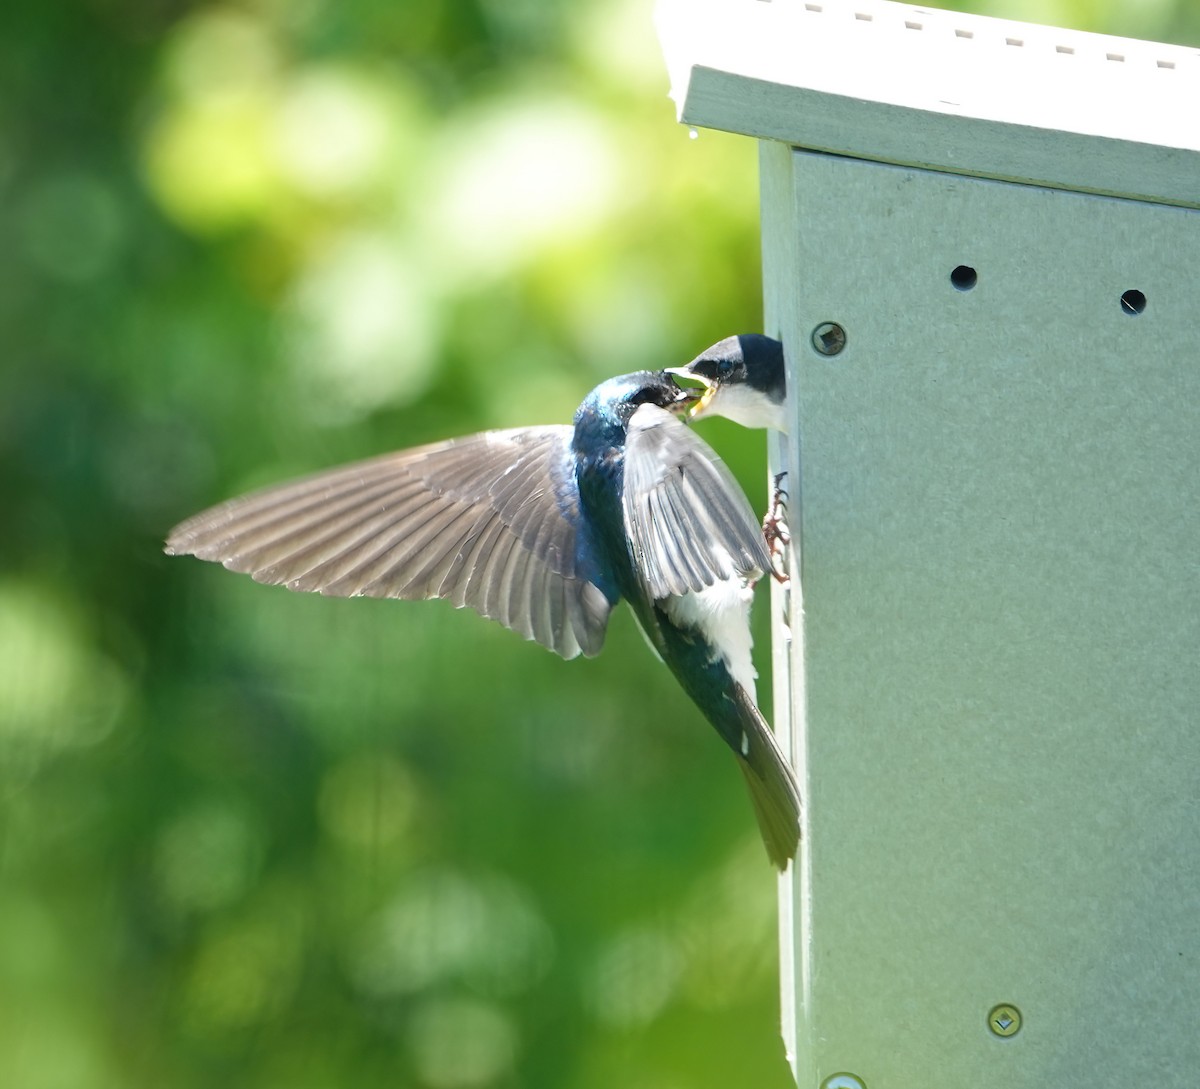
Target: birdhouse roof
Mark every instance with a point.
(942, 90)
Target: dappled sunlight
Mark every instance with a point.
(446, 927)
(367, 801)
(340, 133)
(222, 52)
(241, 976)
(532, 172)
(457, 1043)
(56, 693)
(610, 40)
(361, 328)
(246, 131)
(643, 301)
(207, 156)
(715, 949)
(45, 1045)
(207, 857)
(634, 976)
(727, 931)
(74, 227)
(207, 162)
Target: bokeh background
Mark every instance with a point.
(257, 839)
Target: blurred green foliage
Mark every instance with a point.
(249, 838)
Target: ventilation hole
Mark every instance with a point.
(1133, 301)
(1014, 41)
(1166, 64)
(964, 34)
(1115, 56)
(862, 17)
(913, 26)
(1066, 50)
(964, 277)
(813, 7)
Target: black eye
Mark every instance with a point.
(724, 368)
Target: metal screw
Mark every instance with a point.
(843, 1081)
(1005, 1020)
(829, 338)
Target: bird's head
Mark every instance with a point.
(744, 380)
(616, 400)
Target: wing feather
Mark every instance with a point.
(489, 521)
(315, 557)
(688, 521)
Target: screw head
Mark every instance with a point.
(1004, 1020)
(829, 338)
(843, 1081)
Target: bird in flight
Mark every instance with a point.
(545, 529)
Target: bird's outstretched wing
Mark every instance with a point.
(689, 522)
(489, 521)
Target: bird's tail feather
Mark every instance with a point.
(772, 785)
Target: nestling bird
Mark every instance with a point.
(546, 529)
(745, 381)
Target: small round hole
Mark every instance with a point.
(964, 277)
(1133, 301)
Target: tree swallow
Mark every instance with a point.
(545, 529)
(745, 381)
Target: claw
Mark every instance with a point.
(775, 530)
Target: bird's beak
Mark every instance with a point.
(705, 399)
(684, 401)
(699, 399)
(685, 396)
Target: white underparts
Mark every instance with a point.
(744, 405)
(721, 613)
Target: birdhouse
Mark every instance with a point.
(981, 249)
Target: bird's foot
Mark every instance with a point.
(775, 530)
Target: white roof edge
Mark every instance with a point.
(943, 90)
